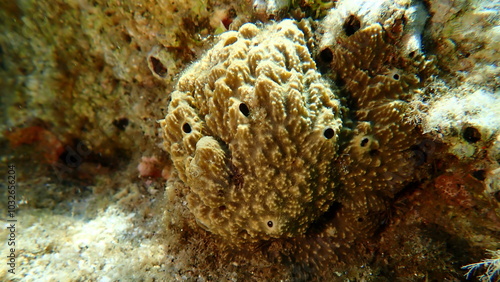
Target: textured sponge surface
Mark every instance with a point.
(253, 131)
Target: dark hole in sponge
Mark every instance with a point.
(364, 142)
(479, 174)
(326, 55)
(186, 128)
(396, 76)
(158, 67)
(244, 109)
(351, 25)
(121, 123)
(471, 134)
(328, 133)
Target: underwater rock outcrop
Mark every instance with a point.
(253, 130)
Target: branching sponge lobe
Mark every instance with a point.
(253, 131)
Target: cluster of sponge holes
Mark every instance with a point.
(328, 133)
(186, 127)
(365, 143)
(351, 24)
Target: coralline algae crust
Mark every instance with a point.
(253, 130)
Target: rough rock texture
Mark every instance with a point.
(468, 121)
(464, 111)
(252, 130)
(469, 34)
(102, 66)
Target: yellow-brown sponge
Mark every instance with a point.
(252, 130)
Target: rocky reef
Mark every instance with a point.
(311, 140)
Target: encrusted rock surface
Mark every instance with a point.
(253, 130)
